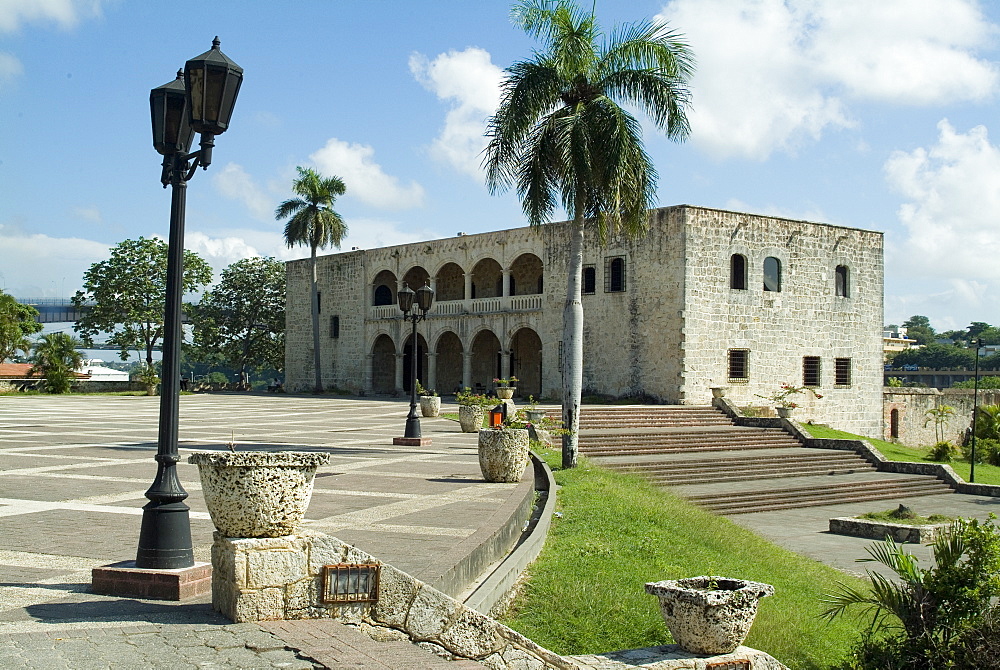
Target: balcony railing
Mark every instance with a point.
(516, 303)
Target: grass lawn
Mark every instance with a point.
(985, 473)
(585, 592)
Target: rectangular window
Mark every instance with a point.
(334, 327)
(739, 365)
(319, 302)
(842, 371)
(810, 371)
(614, 274)
(589, 280)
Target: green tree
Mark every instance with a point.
(561, 137)
(241, 321)
(129, 293)
(919, 328)
(938, 357)
(312, 221)
(984, 383)
(17, 322)
(56, 358)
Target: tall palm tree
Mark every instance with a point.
(312, 221)
(560, 136)
(55, 357)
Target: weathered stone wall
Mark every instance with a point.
(914, 426)
(666, 335)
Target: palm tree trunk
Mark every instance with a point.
(572, 371)
(318, 387)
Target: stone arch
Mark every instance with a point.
(738, 272)
(485, 360)
(487, 279)
(526, 361)
(383, 365)
(526, 275)
(408, 362)
(384, 288)
(448, 362)
(416, 277)
(449, 282)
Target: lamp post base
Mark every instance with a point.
(127, 581)
(412, 441)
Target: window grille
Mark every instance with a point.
(350, 583)
(842, 371)
(739, 365)
(810, 371)
(614, 275)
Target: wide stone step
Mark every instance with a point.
(751, 475)
(624, 442)
(751, 461)
(686, 449)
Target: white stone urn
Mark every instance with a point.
(719, 391)
(430, 405)
(784, 412)
(506, 392)
(534, 415)
(709, 615)
(470, 417)
(257, 493)
(503, 454)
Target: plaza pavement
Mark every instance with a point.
(73, 471)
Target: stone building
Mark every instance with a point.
(706, 298)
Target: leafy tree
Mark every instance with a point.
(241, 322)
(940, 415)
(55, 357)
(17, 322)
(312, 221)
(984, 383)
(937, 356)
(919, 328)
(129, 293)
(560, 136)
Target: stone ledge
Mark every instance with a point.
(880, 530)
(125, 580)
(672, 657)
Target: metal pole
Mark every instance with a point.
(975, 406)
(165, 536)
(412, 420)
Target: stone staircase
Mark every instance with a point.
(702, 455)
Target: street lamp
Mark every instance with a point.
(200, 99)
(424, 298)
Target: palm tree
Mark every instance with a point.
(314, 222)
(561, 137)
(55, 357)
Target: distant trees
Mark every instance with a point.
(240, 323)
(55, 357)
(17, 322)
(129, 290)
(919, 328)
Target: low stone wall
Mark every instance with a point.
(905, 413)
(880, 530)
(107, 387)
(259, 579)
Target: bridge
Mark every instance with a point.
(55, 310)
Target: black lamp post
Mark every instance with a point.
(424, 298)
(975, 407)
(200, 99)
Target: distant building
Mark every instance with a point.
(99, 373)
(895, 340)
(707, 298)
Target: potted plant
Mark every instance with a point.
(532, 413)
(782, 398)
(148, 378)
(257, 493)
(709, 615)
(503, 451)
(505, 387)
(430, 402)
(472, 409)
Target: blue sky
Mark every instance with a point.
(874, 115)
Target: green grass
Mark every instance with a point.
(585, 592)
(893, 516)
(985, 473)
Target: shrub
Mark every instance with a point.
(944, 452)
(987, 451)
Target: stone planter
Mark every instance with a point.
(784, 412)
(719, 391)
(709, 621)
(534, 415)
(503, 454)
(257, 493)
(430, 405)
(506, 392)
(470, 417)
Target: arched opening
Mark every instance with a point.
(487, 279)
(894, 424)
(416, 277)
(526, 275)
(738, 272)
(408, 362)
(772, 274)
(616, 275)
(450, 283)
(485, 360)
(526, 362)
(383, 365)
(384, 289)
(449, 363)
(843, 286)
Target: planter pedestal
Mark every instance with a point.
(709, 615)
(503, 454)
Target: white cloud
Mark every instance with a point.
(470, 82)
(234, 182)
(92, 214)
(10, 67)
(364, 178)
(772, 75)
(42, 266)
(64, 13)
